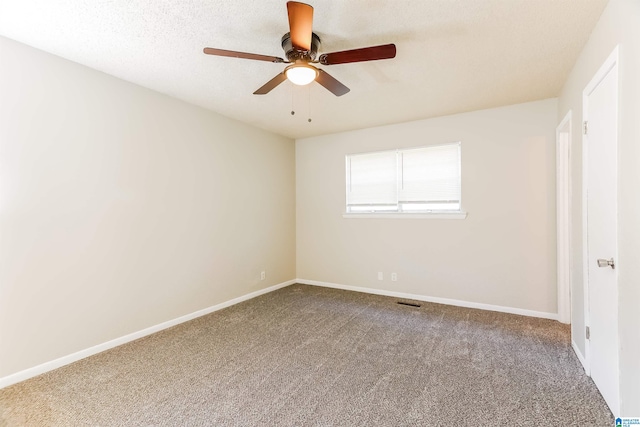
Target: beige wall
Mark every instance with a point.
(122, 208)
(503, 253)
(619, 24)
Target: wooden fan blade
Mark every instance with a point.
(243, 55)
(331, 84)
(300, 24)
(372, 53)
(271, 84)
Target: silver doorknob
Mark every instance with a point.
(606, 263)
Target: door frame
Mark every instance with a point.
(609, 64)
(563, 217)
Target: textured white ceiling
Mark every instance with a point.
(452, 55)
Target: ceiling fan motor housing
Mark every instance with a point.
(294, 54)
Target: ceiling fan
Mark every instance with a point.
(301, 45)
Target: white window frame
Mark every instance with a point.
(431, 214)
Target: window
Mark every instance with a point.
(415, 180)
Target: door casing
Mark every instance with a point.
(563, 217)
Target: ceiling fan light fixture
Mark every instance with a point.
(301, 74)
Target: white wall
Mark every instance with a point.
(503, 253)
(619, 24)
(122, 208)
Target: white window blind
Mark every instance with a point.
(431, 176)
(413, 180)
(373, 178)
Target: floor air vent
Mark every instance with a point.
(410, 304)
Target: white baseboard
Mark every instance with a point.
(579, 355)
(447, 301)
(65, 360)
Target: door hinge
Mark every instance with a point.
(586, 127)
(588, 333)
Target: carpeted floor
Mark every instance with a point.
(307, 355)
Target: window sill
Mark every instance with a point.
(421, 215)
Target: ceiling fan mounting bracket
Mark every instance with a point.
(294, 54)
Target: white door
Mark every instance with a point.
(601, 113)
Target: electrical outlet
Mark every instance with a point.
(394, 277)
(263, 275)
(380, 275)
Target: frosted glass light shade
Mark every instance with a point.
(301, 74)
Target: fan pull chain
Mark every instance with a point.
(292, 110)
(309, 109)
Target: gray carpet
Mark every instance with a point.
(314, 356)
